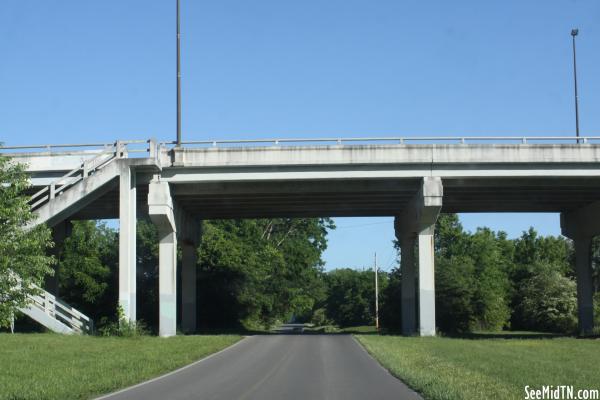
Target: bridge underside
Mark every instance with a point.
(357, 198)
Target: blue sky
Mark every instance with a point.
(77, 71)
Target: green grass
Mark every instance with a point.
(364, 329)
(492, 368)
(50, 366)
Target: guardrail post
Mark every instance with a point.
(121, 149)
(52, 190)
(152, 148)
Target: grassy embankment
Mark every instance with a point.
(50, 366)
(487, 366)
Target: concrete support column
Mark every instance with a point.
(426, 283)
(188, 286)
(167, 283)
(127, 242)
(160, 209)
(189, 231)
(409, 304)
(417, 223)
(581, 226)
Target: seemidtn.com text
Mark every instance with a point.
(560, 392)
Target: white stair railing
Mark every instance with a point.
(61, 311)
(87, 168)
(47, 309)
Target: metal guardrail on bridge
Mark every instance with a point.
(399, 140)
(150, 146)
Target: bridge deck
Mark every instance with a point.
(353, 180)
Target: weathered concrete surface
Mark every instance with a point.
(416, 223)
(127, 239)
(365, 180)
(161, 209)
(382, 154)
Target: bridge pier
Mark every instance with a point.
(407, 265)
(416, 224)
(127, 241)
(581, 226)
(160, 208)
(189, 229)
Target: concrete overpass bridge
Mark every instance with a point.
(412, 179)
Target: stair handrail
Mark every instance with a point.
(87, 168)
(55, 308)
(58, 309)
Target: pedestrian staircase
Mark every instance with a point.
(57, 201)
(78, 187)
(57, 315)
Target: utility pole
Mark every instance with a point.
(178, 80)
(376, 295)
(574, 33)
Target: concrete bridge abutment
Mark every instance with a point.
(415, 226)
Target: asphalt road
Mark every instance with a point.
(288, 366)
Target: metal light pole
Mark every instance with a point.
(178, 80)
(574, 33)
(376, 295)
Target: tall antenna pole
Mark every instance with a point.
(376, 295)
(574, 33)
(178, 80)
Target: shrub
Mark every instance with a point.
(550, 302)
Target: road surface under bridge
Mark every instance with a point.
(179, 186)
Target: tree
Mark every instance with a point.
(491, 297)
(390, 307)
(533, 256)
(549, 301)
(351, 296)
(254, 272)
(87, 260)
(23, 259)
(455, 290)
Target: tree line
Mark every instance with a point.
(252, 274)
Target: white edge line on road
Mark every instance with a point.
(109, 395)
